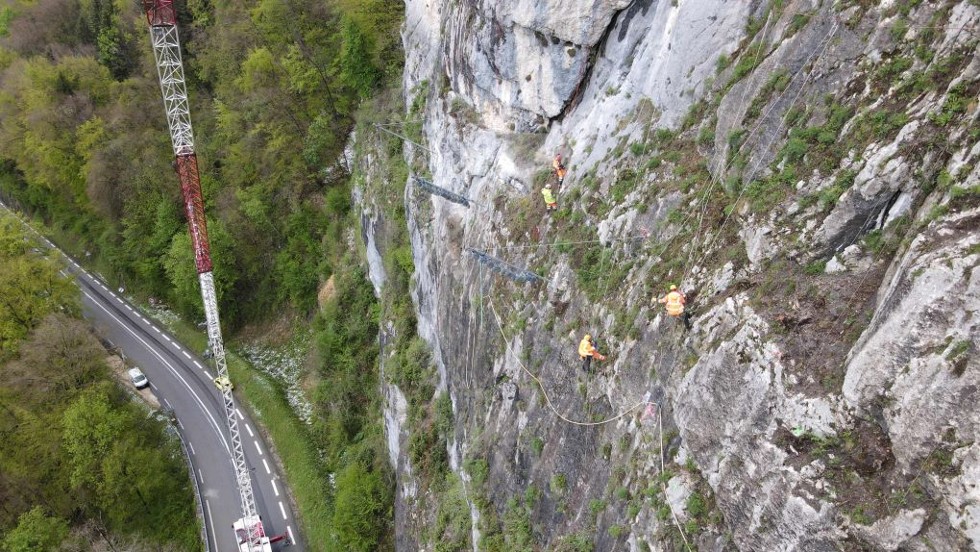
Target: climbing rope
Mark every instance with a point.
(707, 250)
(540, 384)
(395, 134)
(643, 402)
(663, 483)
(568, 243)
(714, 181)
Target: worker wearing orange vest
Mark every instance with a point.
(549, 198)
(586, 350)
(558, 169)
(675, 300)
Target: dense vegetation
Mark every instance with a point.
(79, 461)
(275, 89)
(274, 85)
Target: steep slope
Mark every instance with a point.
(806, 172)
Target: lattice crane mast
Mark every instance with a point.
(162, 17)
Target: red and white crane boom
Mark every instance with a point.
(162, 17)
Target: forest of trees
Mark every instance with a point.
(82, 466)
(274, 85)
(275, 90)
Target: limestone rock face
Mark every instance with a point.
(522, 64)
(806, 172)
(919, 357)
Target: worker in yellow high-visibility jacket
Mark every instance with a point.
(549, 198)
(675, 301)
(586, 350)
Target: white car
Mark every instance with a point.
(138, 378)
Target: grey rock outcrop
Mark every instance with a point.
(825, 398)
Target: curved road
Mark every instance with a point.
(184, 382)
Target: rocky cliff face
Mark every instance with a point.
(806, 171)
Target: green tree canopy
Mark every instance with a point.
(36, 532)
(30, 288)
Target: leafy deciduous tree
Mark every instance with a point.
(36, 532)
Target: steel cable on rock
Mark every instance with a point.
(707, 250)
(707, 194)
(540, 384)
(624, 413)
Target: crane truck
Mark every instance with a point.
(162, 18)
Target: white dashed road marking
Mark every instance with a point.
(283, 510)
(153, 351)
(250, 434)
(211, 522)
(186, 355)
(290, 531)
(266, 464)
(156, 329)
(258, 448)
(198, 364)
(275, 489)
(240, 414)
(191, 445)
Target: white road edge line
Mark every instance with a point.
(266, 464)
(275, 489)
(211, 523)
(258, 448)
(213, 422)
(283, 510)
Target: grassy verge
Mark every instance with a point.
(287, 436)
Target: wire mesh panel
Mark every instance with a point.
(441, 192)
(505, 269)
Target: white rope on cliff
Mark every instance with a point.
(707, 250)
(622, 414)
(537, 380)
(663, 483)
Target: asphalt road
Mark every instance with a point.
(184, 382)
